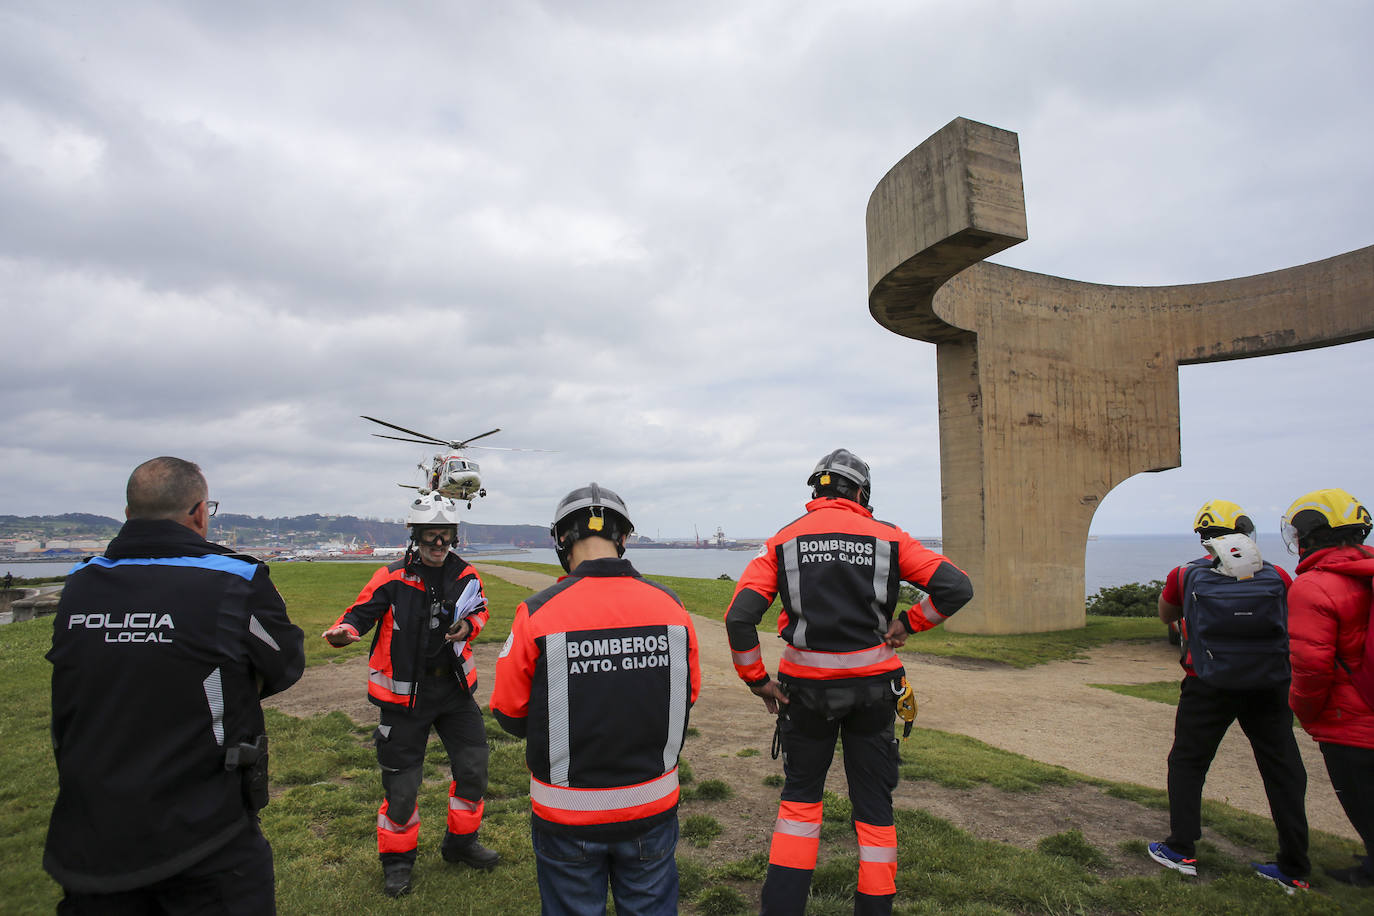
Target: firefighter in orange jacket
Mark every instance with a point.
(428, 607)
(599, 675)
(838, 571)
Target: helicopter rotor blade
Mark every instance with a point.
(507, 448)
(428, 438)
(403, 439)
(463, 443)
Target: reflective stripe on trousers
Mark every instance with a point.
(796, 835)
(394, 837)
(463, 816)
(877, 859)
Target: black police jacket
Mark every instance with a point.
(161, 651)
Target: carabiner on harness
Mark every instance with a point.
(906, 705)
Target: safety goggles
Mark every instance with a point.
(436, 539)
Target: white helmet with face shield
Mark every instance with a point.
(431, 509)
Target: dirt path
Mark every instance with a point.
(1047, 713)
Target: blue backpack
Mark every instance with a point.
(1237, 629)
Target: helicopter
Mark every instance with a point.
(453, 475)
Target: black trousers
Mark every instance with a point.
(444, 705)
(1352, 776)
(1204, 714)
(871, 769)
(237, 880)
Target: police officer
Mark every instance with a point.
(428, 607)
(598, 675)
(161, 651)
(838, 571)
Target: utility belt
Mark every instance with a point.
(867, 704)
(250, 760)
(839, 701)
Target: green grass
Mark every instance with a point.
(700, 829)
(322, 819)
(1071, 844)
(28, 776)
(942, 869)
(960, 762)
(1036, 648)
(1159, 691)
(713, 790)
(34, 581)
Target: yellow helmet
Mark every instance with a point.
(1218, 513)
(1329, 508)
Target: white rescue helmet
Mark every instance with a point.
(433, 510)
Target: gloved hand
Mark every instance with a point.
(771, 693)
(460, 631)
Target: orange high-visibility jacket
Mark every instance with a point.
(599, 675)
(838, 571)
(396, 600)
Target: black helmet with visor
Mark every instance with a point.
(842, 473)
(590, 511)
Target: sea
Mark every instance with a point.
(1111, 559)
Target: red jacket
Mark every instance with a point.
(1328, 615)
(598, 675)
(396, 597)
(838, 571)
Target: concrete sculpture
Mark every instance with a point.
(1053, 391)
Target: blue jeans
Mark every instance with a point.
(642, 873)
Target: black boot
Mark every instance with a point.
(1357, 875)
(397, 878)
(467, 850)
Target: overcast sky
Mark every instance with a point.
(633, 234)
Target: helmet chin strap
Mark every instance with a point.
(563, 546)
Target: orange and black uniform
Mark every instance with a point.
(419, 683)
(838, 571)
(599, 675)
